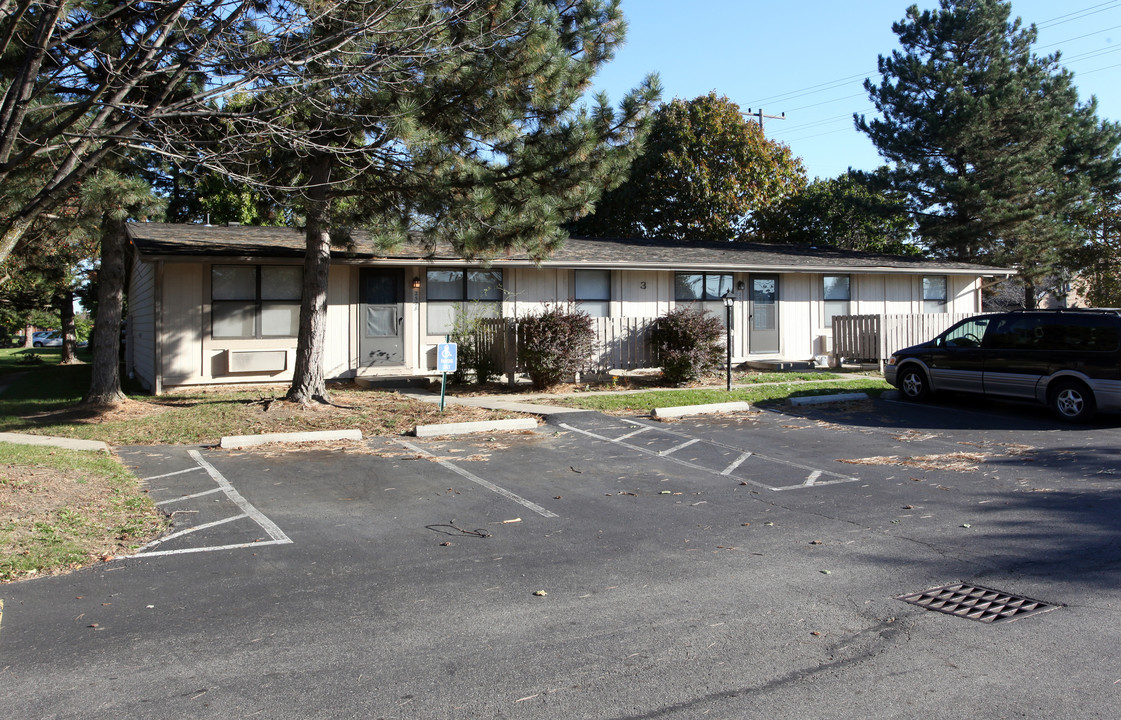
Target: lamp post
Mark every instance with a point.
(729, 299)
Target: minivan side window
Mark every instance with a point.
(1073, 334)
(1017, 332)
(966, 335)
(1067, 333)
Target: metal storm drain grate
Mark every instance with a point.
(977, 603)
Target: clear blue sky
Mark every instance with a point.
(809, 58)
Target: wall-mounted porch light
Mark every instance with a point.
(416, 283)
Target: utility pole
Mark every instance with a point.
(759, 116)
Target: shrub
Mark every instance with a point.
(554, 344)
(688, 344)
(473, 353)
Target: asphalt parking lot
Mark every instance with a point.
(603, 567)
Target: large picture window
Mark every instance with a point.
(255, 301)
(689, 287)
(934, 294)
(450, 292)
(593, 292)
(705, 289)
(837, 296)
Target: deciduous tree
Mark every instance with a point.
(845, 212)
(703, 171)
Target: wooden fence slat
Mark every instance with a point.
(873, 338)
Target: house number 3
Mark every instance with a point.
(642, 284)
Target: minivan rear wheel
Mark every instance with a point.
(913, 384)
(1071, 401)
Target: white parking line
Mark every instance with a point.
(190, 497)
(621, 438)
(177, 472)
(838, 478)
(736, 463)
(188, 531)
(485, 483)
(674, 449)
(276, 535)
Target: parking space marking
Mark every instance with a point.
(190, 497)
(632, 434)
(479, 481)
(177, 472)
(736, 463)
(188, 531)
(276, 535)
(812, 480)
(674, 449)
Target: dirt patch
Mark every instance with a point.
(204, 415)
(124, 411)
(959, 461)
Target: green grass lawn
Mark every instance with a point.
(63, 509)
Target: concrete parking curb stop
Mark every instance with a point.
(683, 410)
(61, 442)
(822, 399)
(425, 431)
(234, 442)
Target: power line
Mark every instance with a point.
(840, 82)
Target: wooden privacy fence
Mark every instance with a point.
(620, 343)
(873, 338)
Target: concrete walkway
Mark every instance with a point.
(60, 442)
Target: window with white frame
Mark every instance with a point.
(255, 301)
(934, 294)
(593, 292)
(837, 294)
(689, 287)
(451, 291)
(705, 289)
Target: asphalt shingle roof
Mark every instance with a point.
(168, 240)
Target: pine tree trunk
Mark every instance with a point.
(308, 382)
(105, 383)
(1029, 295)
(28, 336)
(69, 332)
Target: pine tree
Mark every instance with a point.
(989, 142)
(458, 121)
(117, 199)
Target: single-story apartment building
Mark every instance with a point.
(220, 304)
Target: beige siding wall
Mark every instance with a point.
(191, 356)
(964, 294)
(140, 350)
(642, 293)
(876, 294)
(182, 320)
(533, 288)
(340, 349)
(797, 316)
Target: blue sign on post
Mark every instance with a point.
(447, 357)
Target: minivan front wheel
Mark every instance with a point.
(1071, 401)
(913, 384)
